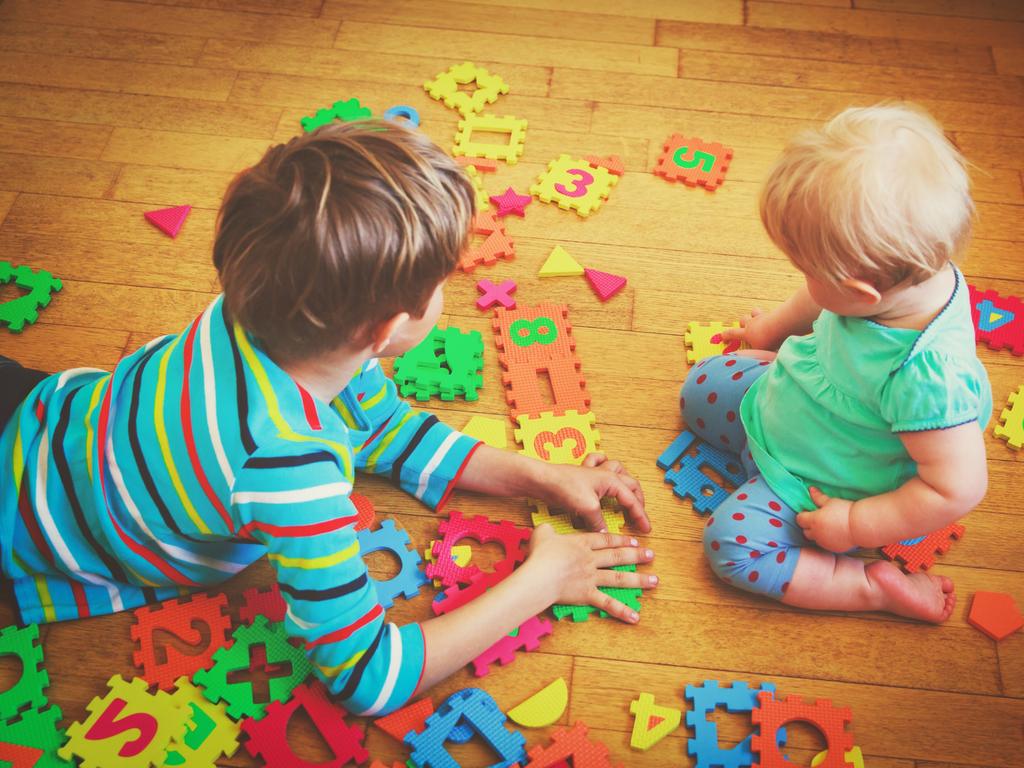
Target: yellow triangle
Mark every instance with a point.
(560, 264)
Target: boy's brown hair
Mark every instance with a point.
(338, 230)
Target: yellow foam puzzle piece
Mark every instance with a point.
(509, 152)
(562, 524)
(698, 340)
(645, 735)
(490, 430)
(1012, 428)
(544, 707)
(565, 439)
(445, 87)
(483, 202)
(572, 183)
(210, 731)
(853, 756)
(560, 264)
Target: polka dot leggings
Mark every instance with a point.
(752, 540)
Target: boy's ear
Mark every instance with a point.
(863, 291)
(386, 332)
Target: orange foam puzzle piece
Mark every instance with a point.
(408, 718)
(706, 165)
(921, 553)
(571, 743)
(772, 714)
(996, 614)
(496, 245)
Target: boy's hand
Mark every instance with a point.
(829, 525)
(579, 490)
(756, 329)
(576, 564)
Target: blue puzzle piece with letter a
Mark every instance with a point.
(689, 481)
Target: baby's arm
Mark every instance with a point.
(767, 330)
(951, 480)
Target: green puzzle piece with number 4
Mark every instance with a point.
(25, 309)
(447, 363)
(628, 595)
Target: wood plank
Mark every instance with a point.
(724, 12)
(991, 151)
(183, 150)
(26, 136)
(890, 81)
(6, 201)
(156, 185)
(1009, 61)
(884, 24)
(369, 66)
(52, 347)
(56, 175)
(103, 75)
(30, 37)
(309, 8)
(578, 24)
(979, 9)
(505, 48)
(828, 47)
(138, 111)
(228, 24)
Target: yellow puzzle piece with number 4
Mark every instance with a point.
(1012, 428)
(699, 344)
(561, 522)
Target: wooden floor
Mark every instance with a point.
(109, 108)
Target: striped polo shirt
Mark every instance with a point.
(194, 458)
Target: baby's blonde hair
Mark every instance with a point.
(877, 194)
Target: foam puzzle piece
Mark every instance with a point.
(483, 201)
(445, 87)
(651, 722)
(209, 732)
(33, 739)
(527, 395)
(558, 439)
(604, 284)
(169, 220)
(772, 713)
(410, 718)
(1011, 426)
(996, 614)
(511, 201)
(544, 707)
(180, 618)
(457, 596)
(29, 691)
(458, 528)
(344, 111)
(410, 579)
(461, 555)
(496, 243)
(705, 340)
(526, 637)
(510, 151)
(403, 113)
(268, 737)
(572, 183)
(560, 264)
(534, 334)
(446, 363)
(684, 471)
(854, 757)
(487, 429)
(573, 745)
(627, 595)
(694, 161)
(562, 523)
(705, 698)
(39, 286)
(366, 514)
(279, 653)
(128, 727)
(492, 294)
(915, 554)
(481, 164)
(262, 602)
(470, 708)
(612, 163)
(998, 320)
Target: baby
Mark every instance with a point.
(866, 427)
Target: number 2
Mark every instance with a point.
(579, 186)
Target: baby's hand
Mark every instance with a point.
(829, 525)
(756, 329)
(579, 490)
(576, 564)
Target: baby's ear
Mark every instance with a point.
(862, 291)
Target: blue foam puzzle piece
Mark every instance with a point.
(410, 578)
(404, 111)
(689, 482)
(704, 746)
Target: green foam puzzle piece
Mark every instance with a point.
(29, 692)
(39, 286)
(628, 595)
(350, 109)
(37, 731)
(446, 363)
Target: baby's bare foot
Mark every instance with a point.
(916, 596)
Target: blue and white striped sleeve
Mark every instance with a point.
(294, 500)
(420, 453)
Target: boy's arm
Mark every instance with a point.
(767, 330)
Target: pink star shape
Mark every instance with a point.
(511, 202)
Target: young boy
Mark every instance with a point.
(240, 436)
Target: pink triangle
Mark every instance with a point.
(605, 285)
(169, 220)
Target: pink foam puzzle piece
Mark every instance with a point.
(496, 294)
(605, 284)
(169, 220)
(511, 201)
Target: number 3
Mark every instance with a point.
(579, 186)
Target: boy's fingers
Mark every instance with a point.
(603, 541)
(626, 579)
(613, 607)
(630, 503)
(594, 460)
(606, 558)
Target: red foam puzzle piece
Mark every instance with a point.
(772, 714)
(511, 201)
(265, 602)
(177, 617)
(605, 284)
(496, 245)
(570, 744)
(268, 736)
(458, 528)
(366, 514)
(503, 652)
(19, 756)
(169, 220)
(914, 557)
(482, 164)
(612, 163)
(408, 718)
(1003, 327)
(996, 614)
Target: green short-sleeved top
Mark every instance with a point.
(829, 411)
